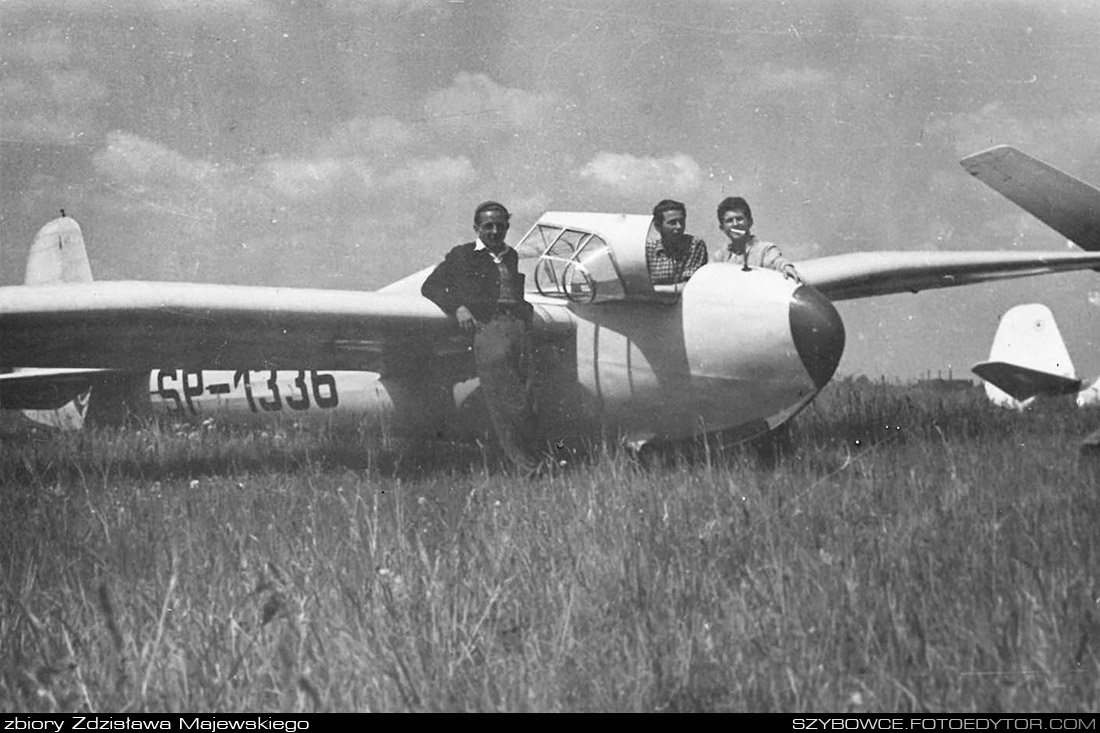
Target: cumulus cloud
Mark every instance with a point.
(132, 159)
(641, 176)
(152, 171)
(383, 136)
(478, 105)
(150, 177)
(430, 178)
(529, 207)
(305, 179)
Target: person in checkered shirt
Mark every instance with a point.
(673, 256)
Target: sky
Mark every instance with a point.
(345, 143)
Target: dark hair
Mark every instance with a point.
(667, 205)
(489, 206)
(734, 203)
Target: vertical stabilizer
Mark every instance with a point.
(1028, 337)
(1090, 396)
(1028, 359)
(58, 255)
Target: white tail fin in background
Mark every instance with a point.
(58, 256)
(1090, 396)
(1028, 359)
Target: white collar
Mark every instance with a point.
(479, 245)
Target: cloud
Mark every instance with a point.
(152, 173)
(383, 136)
(134, 160)
(475, 104)
(147, 177)
(432, 178)
(529, 207)
(300, 180)
(635, 176)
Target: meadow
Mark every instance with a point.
(915, 551)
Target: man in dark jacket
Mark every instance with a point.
(480, 285)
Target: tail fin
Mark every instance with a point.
(1090, 396)
(1067, 205)
(1028, 359)
(58, 255)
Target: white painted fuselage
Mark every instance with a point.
(722, 357)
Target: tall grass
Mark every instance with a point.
(918, 551)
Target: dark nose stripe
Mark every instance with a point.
(818, 334)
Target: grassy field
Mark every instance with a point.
(918, 551)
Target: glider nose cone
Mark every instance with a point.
(818, 334)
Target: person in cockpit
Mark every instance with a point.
(672, 256)
(735, 220)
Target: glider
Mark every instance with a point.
(731, 350)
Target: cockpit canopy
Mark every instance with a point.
(589, 257)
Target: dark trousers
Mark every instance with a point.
(502, 353)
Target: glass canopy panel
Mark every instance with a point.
(571, 264)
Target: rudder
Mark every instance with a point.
(58, 255)
(1028, 358)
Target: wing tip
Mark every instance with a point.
(970, 161)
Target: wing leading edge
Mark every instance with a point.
(146, 325)
(865, 274)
